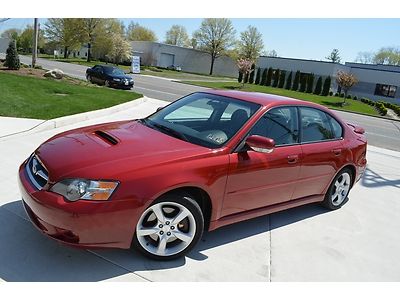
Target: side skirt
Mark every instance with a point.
(263, 211)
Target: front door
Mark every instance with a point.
(258, 180)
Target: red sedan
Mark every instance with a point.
(207, 160)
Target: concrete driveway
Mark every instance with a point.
(359, 242)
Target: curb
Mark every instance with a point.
(69, 120)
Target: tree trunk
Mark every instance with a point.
(212, 64)
(65, 51)
(88, 52)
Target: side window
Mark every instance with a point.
(315, 125)
(336, 127)
(279, 124)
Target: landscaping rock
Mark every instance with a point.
(55, 73)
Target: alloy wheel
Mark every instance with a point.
(166, 229)
(341, 189)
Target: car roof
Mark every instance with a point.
(260, 98)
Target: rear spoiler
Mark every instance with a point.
(356, 128)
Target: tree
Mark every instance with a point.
(387, 56)
(327, 86)
(269, 77)
(121, 49)
(215, 36)
(334, 56)
(245, 67)
(318, 86)
(12, 58)
(251, 76)
(345, 80)
(258, 76)
(135, 32)
(282, 77)
(177, 35)
(364, 57)
(11, 34)
(102, 46)
(276, 77)
(64, 33)
(288, 85)
(251, 43)
(303, 83)
(264, 77)
(296, 81)
(310, 83)
(89, 29)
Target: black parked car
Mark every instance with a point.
(109, 76)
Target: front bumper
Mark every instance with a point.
(108, 224)
(121, 85)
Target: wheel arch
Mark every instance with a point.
(201, 197)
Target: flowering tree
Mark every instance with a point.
(245, 67)
(345, 81)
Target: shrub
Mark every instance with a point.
(336, 94)
(355, 98)
(276, 78)
(341, 95)
(12, 58)
(289, 82)
(251, 76)
(310, 83)
(296, 81)
(330, 93)
(258, 76)
(240, 77)
(269, 77)
(303, 83)
(282, 77)
(318, 86)
(327, 86)
(264, 77)
(348, 96)
(381, 108)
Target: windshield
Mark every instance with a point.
(113, 71)
(204, 119)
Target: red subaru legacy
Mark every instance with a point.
(207, 160)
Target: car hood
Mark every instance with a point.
(111, 150)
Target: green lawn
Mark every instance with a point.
(30, 97)
(331, 102)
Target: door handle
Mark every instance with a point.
(292, 159)
(337, 152)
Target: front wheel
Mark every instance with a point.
(169, 228)
(337, 194)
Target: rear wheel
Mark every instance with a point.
(89, 78)
(337, 194)
(169, 228)
(107, 83)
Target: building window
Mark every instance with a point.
(385, 90)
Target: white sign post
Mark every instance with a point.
(135, 64)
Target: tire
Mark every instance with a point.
(89, 78)
(338, 192)
(107, 83)
(169, 228)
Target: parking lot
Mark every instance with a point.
(359, 242)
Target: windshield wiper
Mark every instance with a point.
(170, 131)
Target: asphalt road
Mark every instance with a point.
(380, 132)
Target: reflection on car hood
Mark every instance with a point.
(107, 150)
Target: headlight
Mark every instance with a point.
(116, 79)
(75, 189)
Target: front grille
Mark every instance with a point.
(37, 173)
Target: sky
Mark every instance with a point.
(296, 38)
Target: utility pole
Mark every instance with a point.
(35, 41)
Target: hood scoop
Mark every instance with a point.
(106, 137)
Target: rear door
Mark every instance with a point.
(323, 154)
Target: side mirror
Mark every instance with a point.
(159, 108)
(260, 144)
